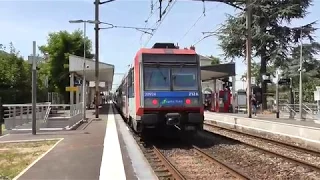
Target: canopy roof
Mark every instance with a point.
(106, 71)
(217, 71)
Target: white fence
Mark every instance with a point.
(19, 116)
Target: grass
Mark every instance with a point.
(15, 157)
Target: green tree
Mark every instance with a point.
(15, 77)
(59, 46)
(214, 60)
(43, 76)
(311, 69)
(271, 39)
(255, 72)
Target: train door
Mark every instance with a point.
(124, 97)
(126, 105)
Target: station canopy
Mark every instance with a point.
(217, 71)
(106, 71)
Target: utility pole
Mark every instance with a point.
(97, 3)
(291, 100)
(300, 81)
(277, 94)
(248, 55)
(34, 90)
(84, 94)
(1, 116)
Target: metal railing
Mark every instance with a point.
(48, 115)
(293, 109)
(20, 114)
(76, 114)
(288, 108)
(76, 109)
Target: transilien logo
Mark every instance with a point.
(164, 101)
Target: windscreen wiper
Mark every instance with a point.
(181, 66)
(163, 76)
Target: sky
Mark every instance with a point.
(24, 21)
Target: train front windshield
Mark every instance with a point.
(184, 78)
(157, 78)
(163, 78)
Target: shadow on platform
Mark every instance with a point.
(103, 109)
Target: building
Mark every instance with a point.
(208, 86)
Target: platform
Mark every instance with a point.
(100, 149)
(302, 132)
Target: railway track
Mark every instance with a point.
(166, 170)
(271, 151)
(194, 163)
(162, 166)
(236, 173)
(221, 156)
(292, 146)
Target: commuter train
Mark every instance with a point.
(162, 89)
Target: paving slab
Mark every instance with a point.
(271, 118)
(77, 156)
(305, 133)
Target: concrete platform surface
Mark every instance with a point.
(306, 132)
(97, 150)
(272, 117)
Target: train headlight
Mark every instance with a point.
(151, 102)
(191, 102)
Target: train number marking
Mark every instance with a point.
(150, 94)
(193, 94)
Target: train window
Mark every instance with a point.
(185, 78)
(132, 82)
(131, 89)
(156, 78)
(130, 92)
(132, 75)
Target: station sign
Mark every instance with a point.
(284, 81)
(72, 88)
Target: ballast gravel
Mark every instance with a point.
(254, 163)
(312, 158)
(194, 166)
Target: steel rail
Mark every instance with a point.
(224, 165)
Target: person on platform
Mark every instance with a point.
(254, 105)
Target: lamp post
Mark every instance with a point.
(84, 63)
(96, 30)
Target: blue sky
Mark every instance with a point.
(24, 21)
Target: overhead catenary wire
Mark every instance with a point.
(152, 12)
(158, 23)
(213, 33)
(195, 23)
(185, 34)
(216, 31)
(141, 29)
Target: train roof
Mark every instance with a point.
(166, 48)
(165, 51)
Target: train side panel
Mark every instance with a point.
(137, 101)
(131, 95)
(124, 98)
(138, 82)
